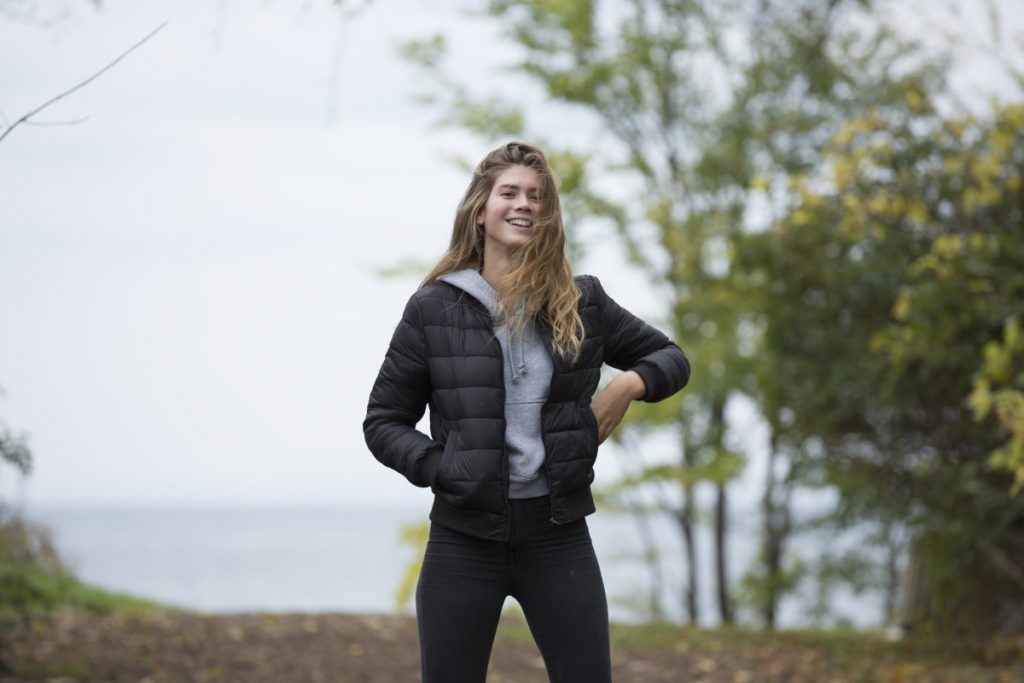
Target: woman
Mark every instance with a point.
(506, 347)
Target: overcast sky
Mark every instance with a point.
(189, 308)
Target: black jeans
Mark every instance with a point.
(550, 569)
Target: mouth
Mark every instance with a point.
(525, 223)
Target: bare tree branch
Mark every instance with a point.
(346, 18)
(10, 11)
(26, 117)
(72, 122)
(220, 25)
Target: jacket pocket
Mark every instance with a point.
(589, 419)
(446, 460)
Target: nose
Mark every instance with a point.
(523, 203)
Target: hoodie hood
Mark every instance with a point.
(472, 282)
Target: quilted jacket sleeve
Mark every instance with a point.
(398, 400)
(632, 344)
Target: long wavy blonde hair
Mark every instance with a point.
(541, 276)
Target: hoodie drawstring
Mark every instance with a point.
(473, 283)
(511, 361)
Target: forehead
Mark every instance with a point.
(522, 177)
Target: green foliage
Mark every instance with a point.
(427, 52)
(415, 535)
(829, 572)
(857, 322)
(888, 280)
(416, 268)
(760, 588)
(35, 581)
(719, 467)
(32, 577)
(14, 451)
(999, 385)
(80, 596)
(26, 553)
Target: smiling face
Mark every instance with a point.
(511, 211)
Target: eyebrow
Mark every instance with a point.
(512, 186)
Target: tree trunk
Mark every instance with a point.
(651, 556)
(653, 563)
(914, 605)
(893, 550)
(772, 562)
(721, 567)
(772, 542)
(685, 517)
(717, 430)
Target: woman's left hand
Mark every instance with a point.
(610, 404)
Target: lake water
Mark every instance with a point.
(347, 559)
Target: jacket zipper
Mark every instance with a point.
(547, 474)
(505, 478)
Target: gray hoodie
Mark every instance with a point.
(527, 381)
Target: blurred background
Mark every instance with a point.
(205, 250)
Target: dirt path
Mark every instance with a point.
(280, 648)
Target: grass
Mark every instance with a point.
(34, 580)
(78, 595)
(643, 652)
(32, 592)
(848, 650)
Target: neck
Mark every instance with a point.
(497, 264)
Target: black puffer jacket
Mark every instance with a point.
(444, 354)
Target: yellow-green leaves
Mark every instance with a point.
(901, 306)
(414, 535)
(999, 388)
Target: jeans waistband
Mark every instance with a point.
(530, 513)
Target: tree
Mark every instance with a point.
(14, 451)
(902, 258)
(696, 126)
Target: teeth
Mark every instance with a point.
(521, 222)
